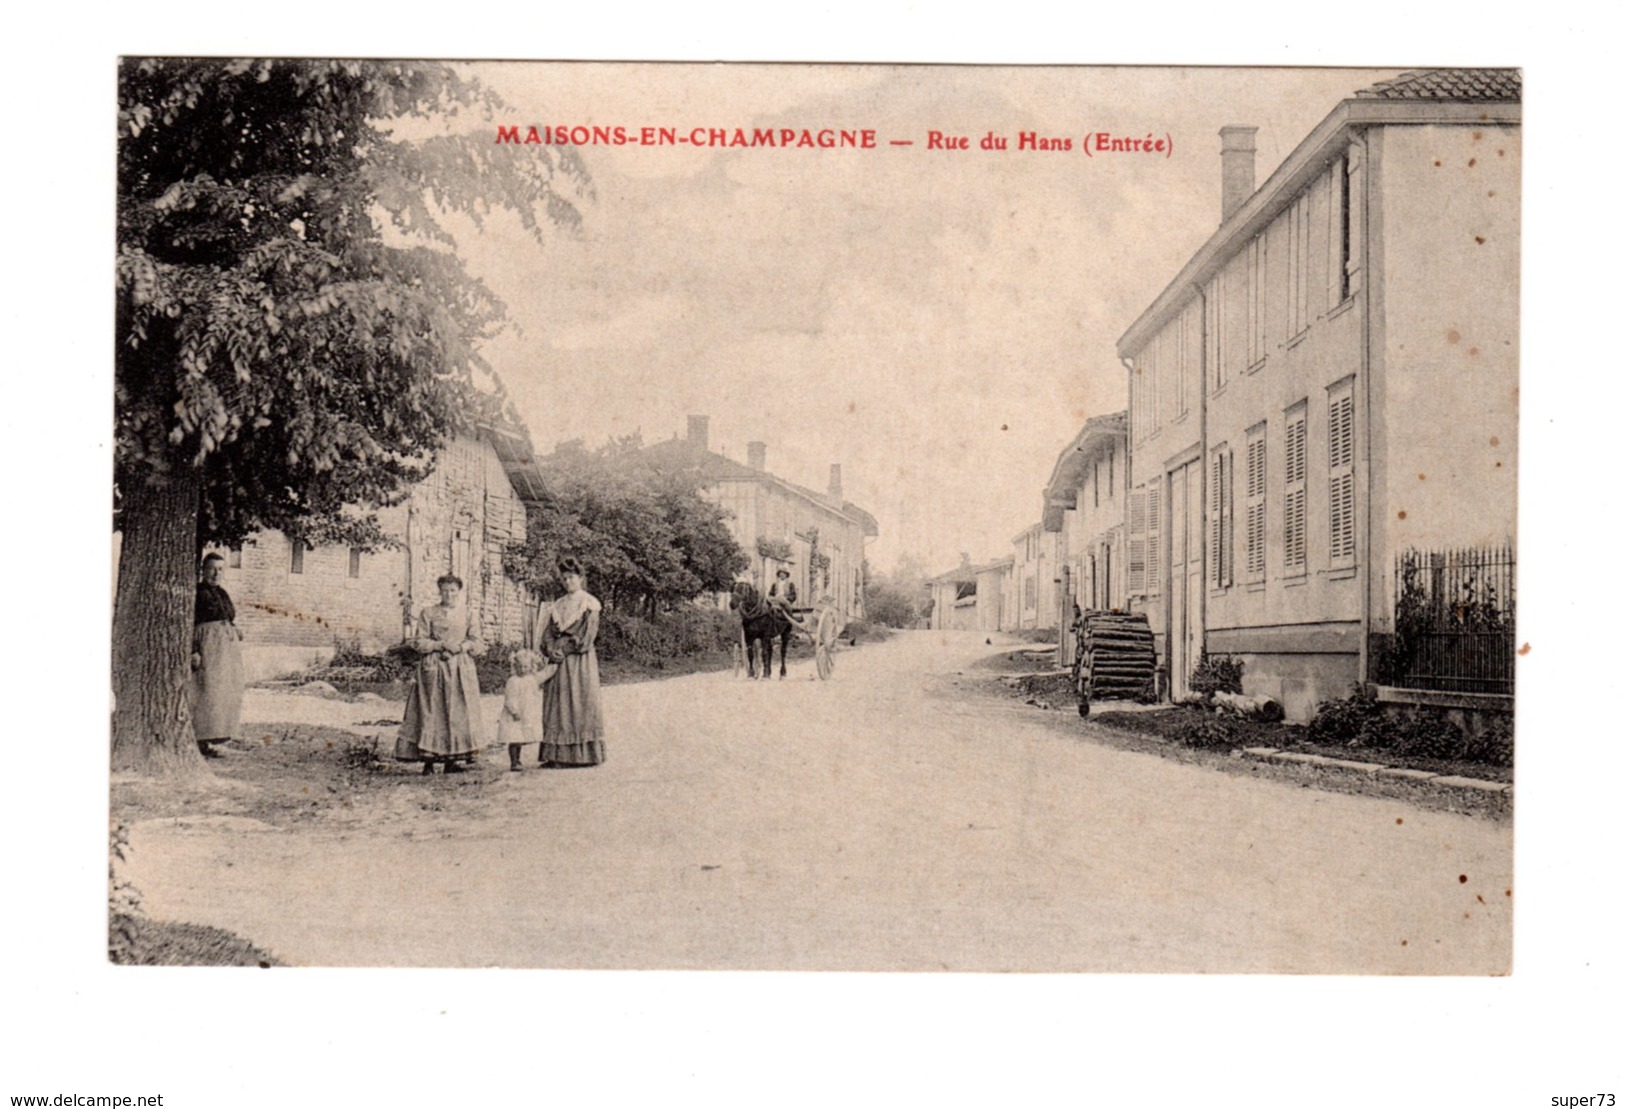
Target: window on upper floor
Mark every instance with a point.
(1344, 243)
(355, 562)
(1299, 312)
(296, 557)
(1215, 331)
(1257, 258)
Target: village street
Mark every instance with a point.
(895, 818)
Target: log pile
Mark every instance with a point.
(1116, 655)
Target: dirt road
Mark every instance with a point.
(886, 820)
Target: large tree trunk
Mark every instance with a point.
(152, 626)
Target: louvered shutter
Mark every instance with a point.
(1136, 543)
(1255, 506)
(1294, 516)
(1228, 543)
(1340, 487)
(1215, 512)
(1153, 539)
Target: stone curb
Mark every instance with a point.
(1276, 755)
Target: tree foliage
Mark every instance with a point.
(648, 538)
(295, 331)
(897, 599)
(291, 321)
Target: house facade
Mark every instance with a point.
(1323, 417)
(1033, 597)
(818, 537)
(1084, 508)
(296, 603)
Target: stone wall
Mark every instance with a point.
(294, 606)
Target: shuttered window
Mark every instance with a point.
(1294, 502)
(1136, 543)
(1340, 466)
(1298, 311)
(1153, 538)
(1342, 240)
(1255, 503)
(1256, 259)
(1221, 518)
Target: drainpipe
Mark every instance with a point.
(1363, 467)
(1207, 479)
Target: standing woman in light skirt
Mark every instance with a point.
(217, 662)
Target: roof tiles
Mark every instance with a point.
(1449, 84)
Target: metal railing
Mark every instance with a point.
(1454, 617)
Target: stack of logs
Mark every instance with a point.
(1116, 655)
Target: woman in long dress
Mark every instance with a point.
(824, 635)
(572, 710)
(217, 662)
(442, 721)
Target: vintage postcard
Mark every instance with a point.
(816, 517)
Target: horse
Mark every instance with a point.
(762, 622)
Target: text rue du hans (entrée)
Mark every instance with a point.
(829, 138)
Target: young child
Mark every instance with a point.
(521, 721)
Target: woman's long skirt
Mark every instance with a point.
(442, 719)
(217, 684)
(572, 714)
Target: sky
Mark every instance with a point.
(938, 322)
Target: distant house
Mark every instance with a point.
(295, 603)
(1084, 506)
(1033, 600)
(972, 597)
(1323, 416)
(818, 537)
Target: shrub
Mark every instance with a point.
(1217, 674)
(1207, 732)
(1343, 720)
(1491, 744)
(684, 631)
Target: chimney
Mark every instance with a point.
(835, 481)
(756, 454)
(699, 432)
(1236, 150)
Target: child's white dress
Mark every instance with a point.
(521, 710)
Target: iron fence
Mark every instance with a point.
(1454, 617)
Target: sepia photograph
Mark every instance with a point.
(825, 556)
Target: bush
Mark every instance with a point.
(1217, 674)
(1207, 732)
(685, 631)
(1343, 720)
(495, 666)
(1492, 744)
(1358, 720)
